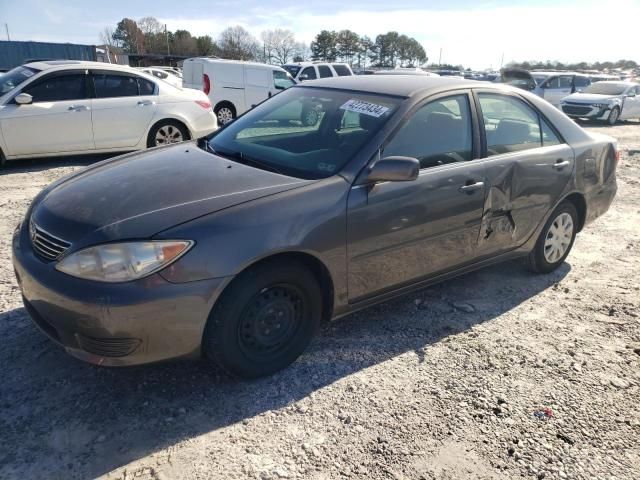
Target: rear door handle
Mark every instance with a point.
(560, 164)
(144, 103)
(471, 187)
(78, 108)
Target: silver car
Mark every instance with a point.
(237, 246)
(608, 101)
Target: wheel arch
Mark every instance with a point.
(578, 201)
(308, 260)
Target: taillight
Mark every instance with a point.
(206, 84)
(206, 104)
(617, 156)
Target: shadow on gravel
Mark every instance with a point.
(62, 418)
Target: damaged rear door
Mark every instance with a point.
(527, 168)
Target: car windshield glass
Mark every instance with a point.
(304, 132)
(292, 69)
(15, 77)
(605, 88)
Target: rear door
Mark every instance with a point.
(258, 85)
(58, 120)
(122, 109)
(401, 232)
(527, 166)
(557, 87)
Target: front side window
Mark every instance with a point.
(308, 73)
(566, 81)
(281, 80)
(305, 132)
(438, 133)
(580, 81)
(325, 71)
(552, 82)
(511, 125)
(58, 88)
(110, 85)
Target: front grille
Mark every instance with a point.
(576, 109)
(108, 347)
(46, 245)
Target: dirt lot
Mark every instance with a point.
(442, 384)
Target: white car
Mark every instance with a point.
(233, 87)
(64, 107)
(303, 71)
(608, 101)
(170, 78)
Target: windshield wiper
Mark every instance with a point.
(241, 157)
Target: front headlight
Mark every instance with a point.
(601, 105)
(122, 262)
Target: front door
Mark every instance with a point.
(401, 232)
(631, 105)
(258, 85)
(527, 168)
(557, 87)
(123, 108)
(58, 120)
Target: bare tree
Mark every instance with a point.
(237, 44)
(282, 43)
(154, 36)
(106, 37)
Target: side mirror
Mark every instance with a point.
(394, 169)
(279, 87)
(631, 94)
(303, 77)
(23, 99)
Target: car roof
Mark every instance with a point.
(231, 62)
(308, 64)
(397, 85)
(75, 64)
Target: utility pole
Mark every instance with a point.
(440, 57)
(6, 27)
(501, 60)
(166, 34)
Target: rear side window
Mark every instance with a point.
(579, 81)
(310, 74)
(113, 85)
(512, 126)
(58, 89)
(342, 70)
(325, 71)
(146, 87)
(436, 134)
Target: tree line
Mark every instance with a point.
(148, 36)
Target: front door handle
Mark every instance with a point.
(560, 164)
(78, 108)
(471, 187)
(144, 103)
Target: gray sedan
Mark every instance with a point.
(237, 246)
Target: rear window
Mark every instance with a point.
(109, 85)
(342, 70)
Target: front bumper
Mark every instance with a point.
(130, 323)
(582, 110)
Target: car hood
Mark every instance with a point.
(139, 195)
(589, 97)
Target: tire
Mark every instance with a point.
(225, 113)
(167, 132)
(552, 249)
(264, 320)
(309, 117)
(613, 116)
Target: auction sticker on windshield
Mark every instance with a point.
(365, 108)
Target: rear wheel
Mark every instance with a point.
(264, 320)
(613, 116)
(556, 239)
(225, 113)
(167, 132)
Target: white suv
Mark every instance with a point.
(64, 107)
(302, 71)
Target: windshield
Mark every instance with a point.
(602, 88)
(304, 132)
(15, 77)
(292, 69)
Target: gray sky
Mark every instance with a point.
(473, 33)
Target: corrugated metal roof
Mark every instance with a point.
(14, 53)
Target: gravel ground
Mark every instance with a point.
(448, 383)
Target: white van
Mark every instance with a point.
(233, 86)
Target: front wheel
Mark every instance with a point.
(264, 320)
(556, 239)
(614, 116)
